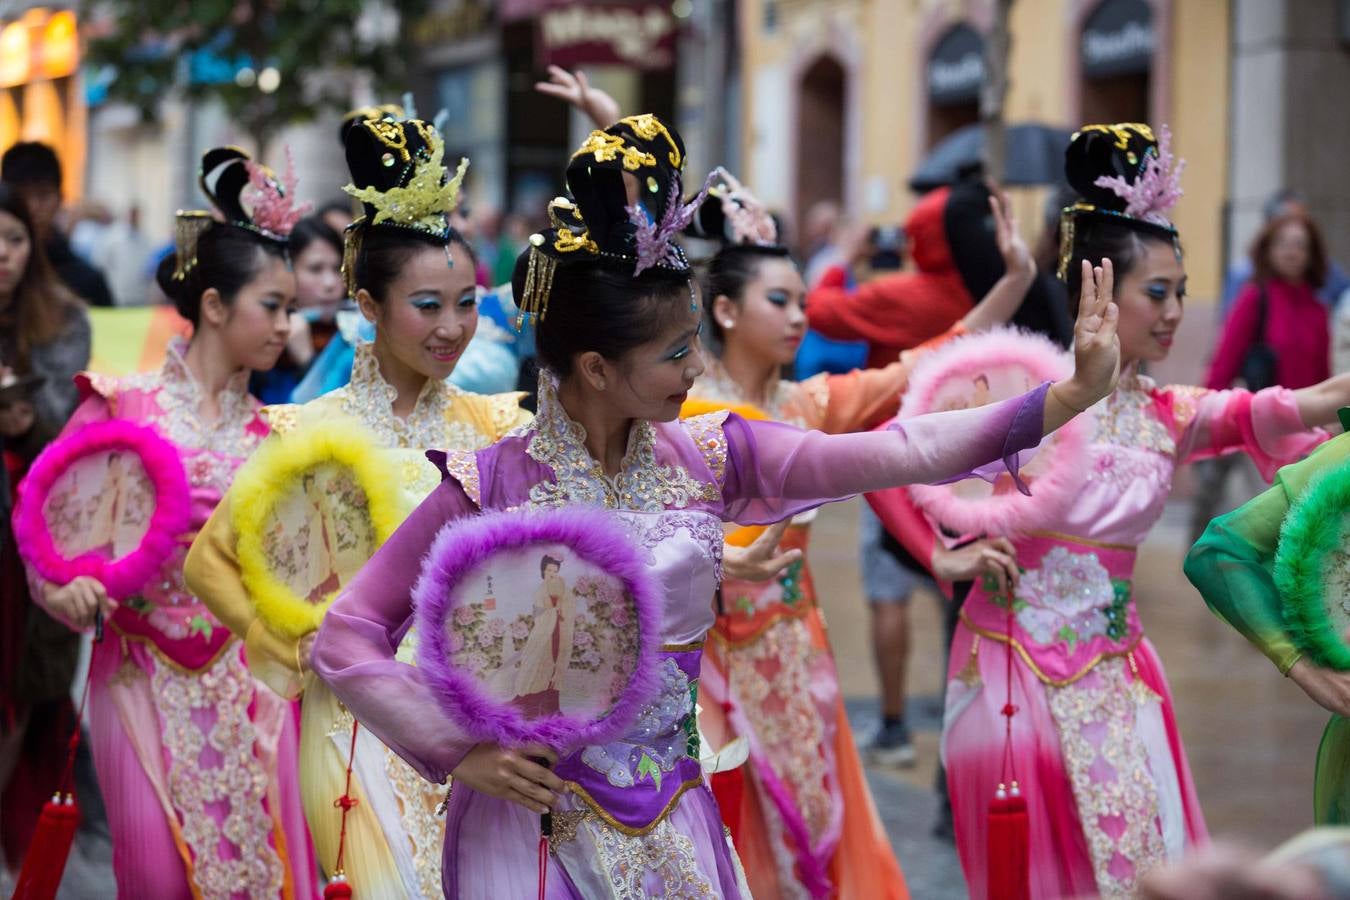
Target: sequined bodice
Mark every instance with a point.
(1132, 458)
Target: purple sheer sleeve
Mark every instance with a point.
(354, 650)
(774, 471)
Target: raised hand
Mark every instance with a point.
(574, 90)
(760, 561)
(1017, 259)
(1096, 346)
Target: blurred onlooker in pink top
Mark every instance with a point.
(1278, 317)
(1289, 265)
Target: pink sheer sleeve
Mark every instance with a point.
(354, 650)
(774, 471)
(1265, 425)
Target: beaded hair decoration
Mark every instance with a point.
(1124, 174)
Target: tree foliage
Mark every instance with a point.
(218, 49)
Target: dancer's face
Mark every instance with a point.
(254, 327)
(652, 380)
(429, 312)
(769, 321)
(1150, 298)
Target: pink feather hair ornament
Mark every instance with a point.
(272, 201)
(656, 244)
(748, 222)
(1156, 190)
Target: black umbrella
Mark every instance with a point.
(1035, 156)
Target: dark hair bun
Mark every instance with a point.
(1107, 150)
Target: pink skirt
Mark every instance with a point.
(1099, 761)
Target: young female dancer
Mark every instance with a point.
(1097, 752)
(807, 824)
(193, 755)
(620, 340)
(413, 276)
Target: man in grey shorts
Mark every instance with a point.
(890, 577)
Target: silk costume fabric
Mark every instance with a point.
(1095, 729)
(1232, 565)
(678, 482)
(809, 826)
(188, 747)
(393, 834)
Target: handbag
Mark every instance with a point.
(1258, 365)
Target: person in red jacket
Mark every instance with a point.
(897, 311)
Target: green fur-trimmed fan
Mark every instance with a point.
(1312, 569)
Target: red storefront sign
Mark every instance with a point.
(573, 33)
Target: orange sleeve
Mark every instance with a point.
(864, 398)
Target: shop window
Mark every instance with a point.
(1116, 48)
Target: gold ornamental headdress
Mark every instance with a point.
(399, 175)
(602, 224)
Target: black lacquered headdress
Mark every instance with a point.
(603, 223)
(399, 175)
(1124, 175)
(245, 195)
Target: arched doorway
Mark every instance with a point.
(1117, 48)
(820, 139)
(954, 76)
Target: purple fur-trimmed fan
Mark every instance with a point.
(538, 627)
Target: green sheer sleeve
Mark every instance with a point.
(1233, 562)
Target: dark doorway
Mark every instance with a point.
(820, 136)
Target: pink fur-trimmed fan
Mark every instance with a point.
(1156, 190)
(1008, 362)
(272, 200)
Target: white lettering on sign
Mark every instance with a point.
(633, 34)
(963, 74)
(1130, 41)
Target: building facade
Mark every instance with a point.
(845, 99)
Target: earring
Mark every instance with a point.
(728, 324)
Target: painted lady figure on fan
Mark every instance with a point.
(618, 324)
(194, 756)
(1094, 740)
(412, 275)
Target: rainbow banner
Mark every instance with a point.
(133, 339)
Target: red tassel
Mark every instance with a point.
(1009, 859)
(338, 889)
(729, 789)
(45, 862)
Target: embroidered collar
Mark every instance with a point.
(559, 442)
(370, 398)
(180, 399)
(716, 384)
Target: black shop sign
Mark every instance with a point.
(1118, 39)
(956, 67)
